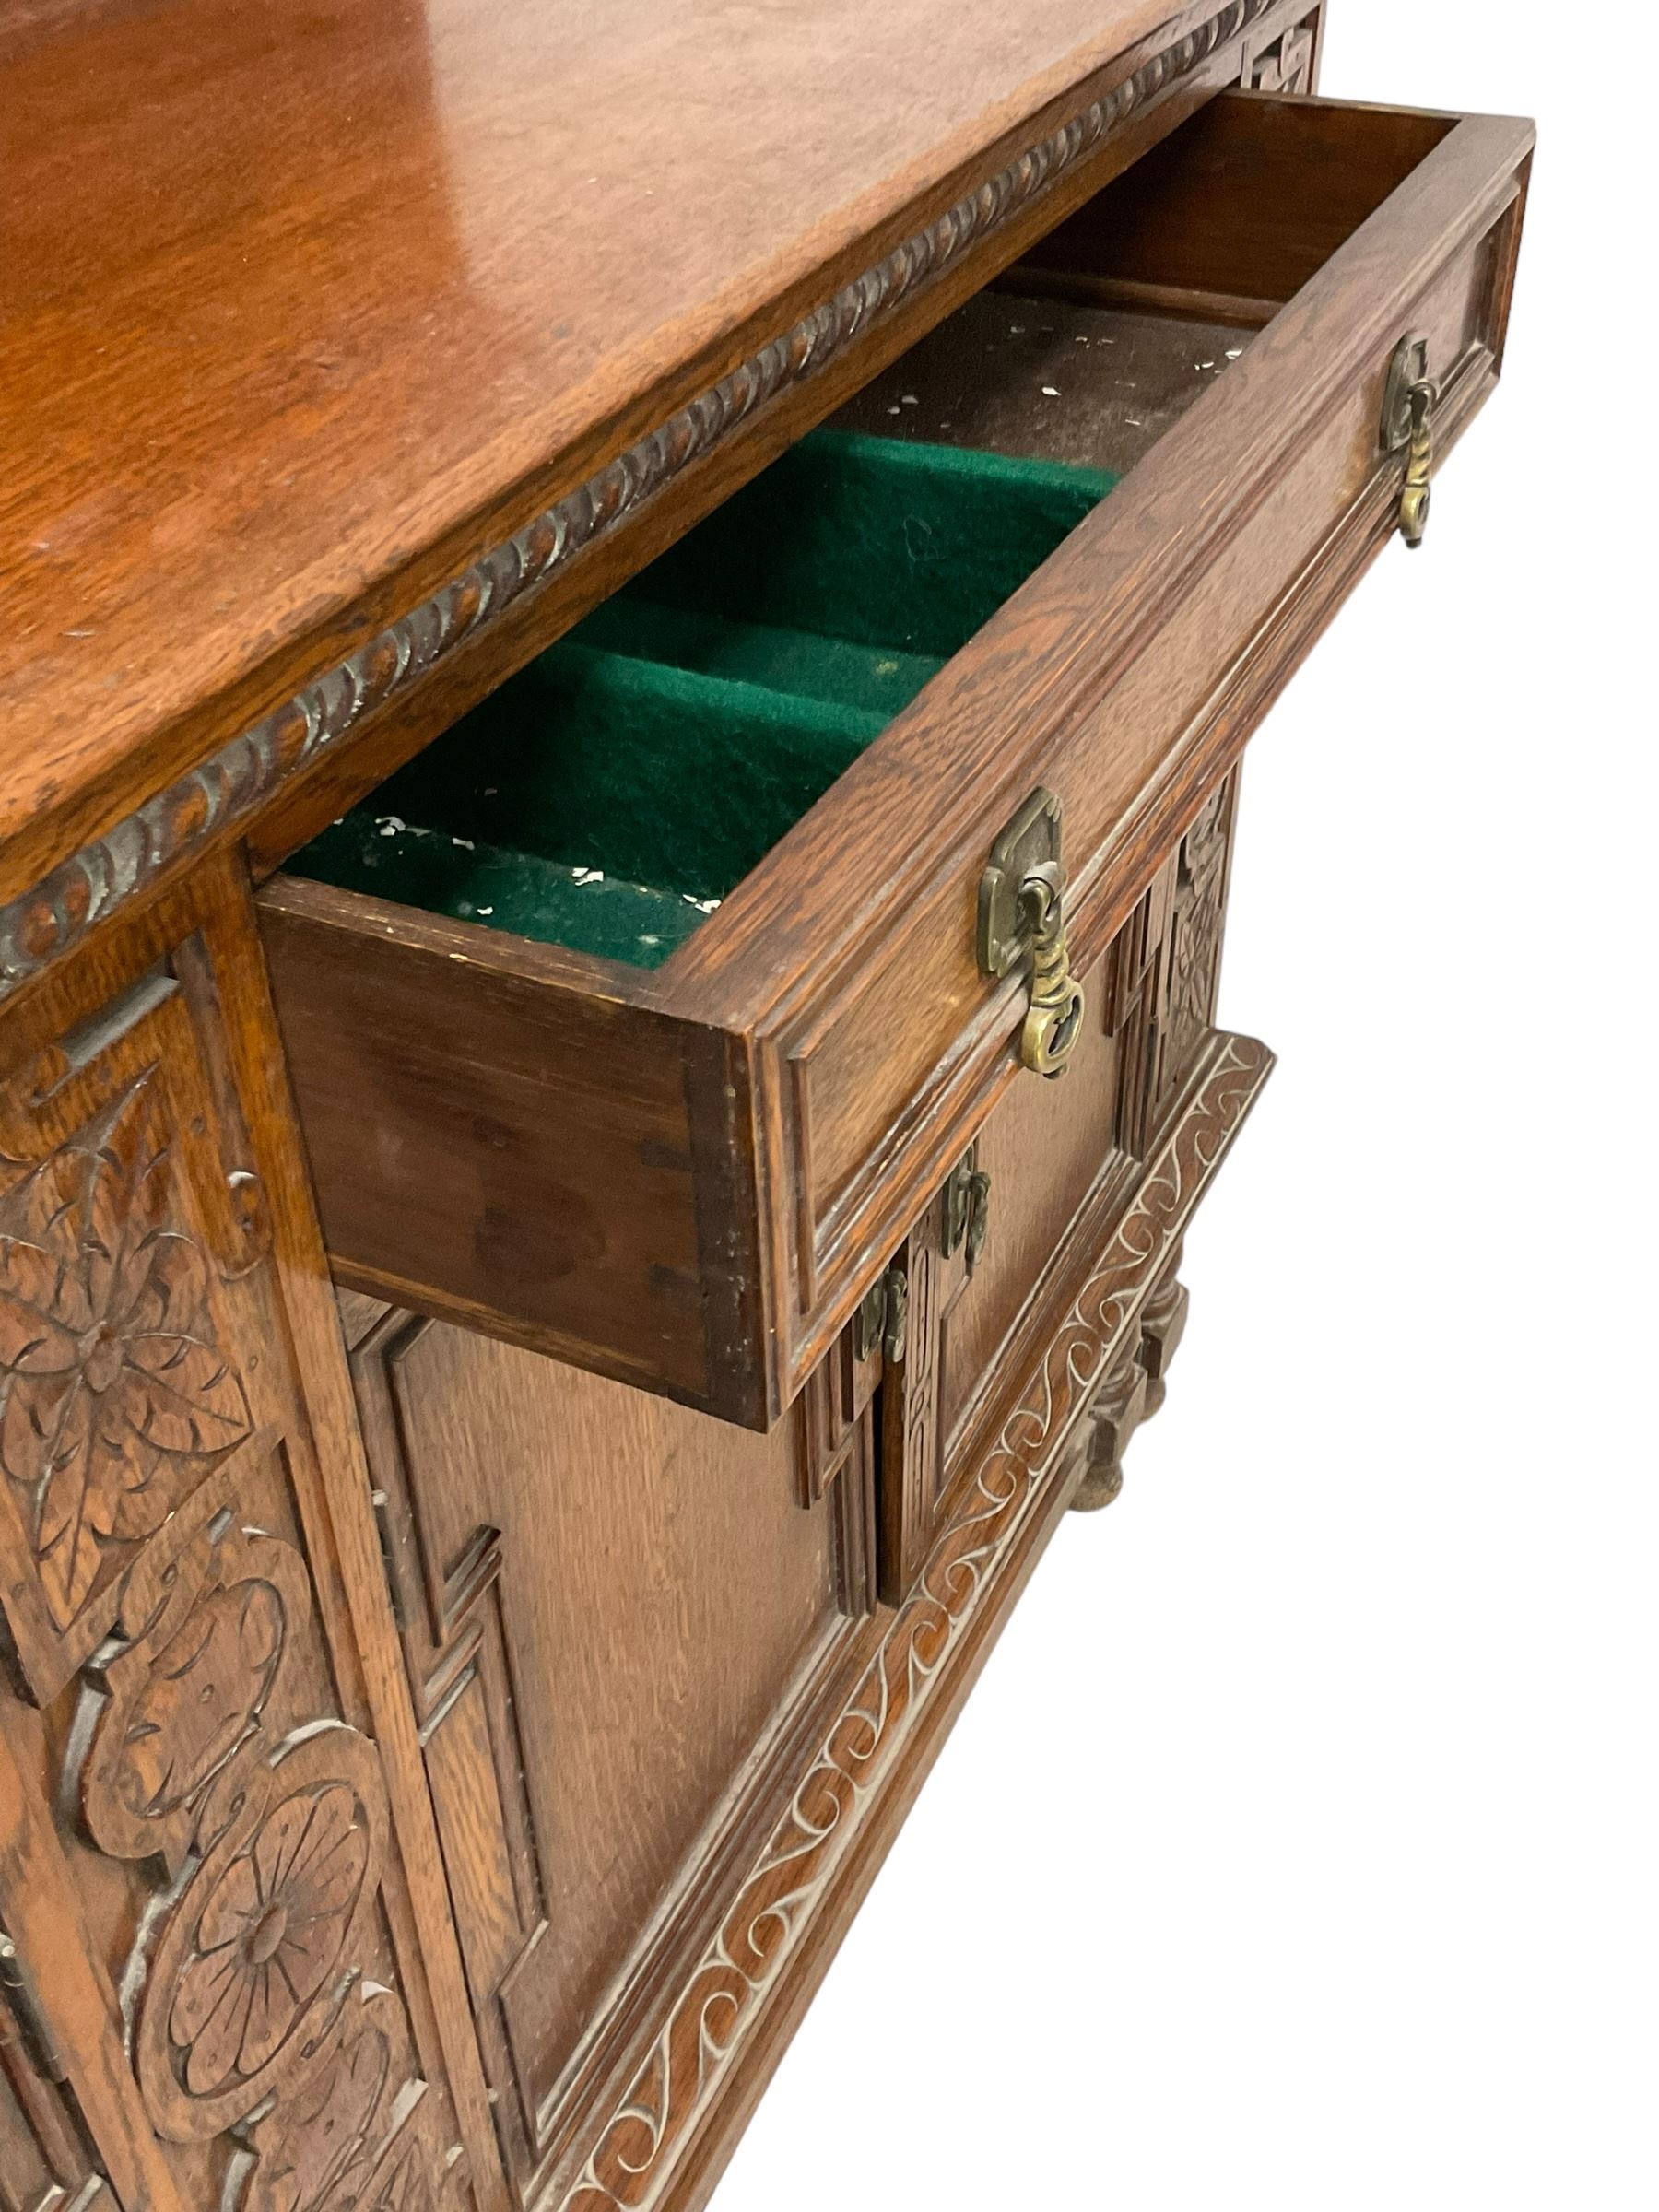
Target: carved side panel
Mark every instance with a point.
(836, 1419)
(1162, 973)
(116, 1397)
(1192, 944)
(911, 1440)
(190, 1708)
(1288, 63)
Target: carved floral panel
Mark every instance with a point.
(114, 1395)
(227, 1829)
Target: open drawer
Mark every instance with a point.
(636, 1018)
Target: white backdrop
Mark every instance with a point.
(1300, 1845)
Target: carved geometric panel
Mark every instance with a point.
(1194, 953)
(1285, 64)
(1162, 971)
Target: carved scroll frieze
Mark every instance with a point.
(117, 867)
(633, 2156)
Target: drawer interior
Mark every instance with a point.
(609, 796)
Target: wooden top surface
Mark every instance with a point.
(305, 303)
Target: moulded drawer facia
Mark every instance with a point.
(687, 1174)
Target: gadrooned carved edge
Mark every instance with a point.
(40, 926)
(633, 2156)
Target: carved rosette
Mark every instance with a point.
(115, 1398)
(259, 1952)
(249, 2010)
(634, 2156)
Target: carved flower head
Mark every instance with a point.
(270, 1935)
(107, 1368)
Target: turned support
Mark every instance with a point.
(1130, 1393)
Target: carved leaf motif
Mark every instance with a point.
(108, 1365)
(409, 2187)
(320, 2151)
(204, 1692)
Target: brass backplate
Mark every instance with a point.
(1409, 367)
(1030, 842)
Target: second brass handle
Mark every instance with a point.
(1022, 918)
(1054, 1018)
(1410, 397)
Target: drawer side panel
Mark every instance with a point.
(490, 1148)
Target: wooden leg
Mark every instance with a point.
(1130, 1394)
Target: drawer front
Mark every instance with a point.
(1131, 669)
(688, 1176)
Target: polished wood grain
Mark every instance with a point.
(405, 279)
(434, 1775)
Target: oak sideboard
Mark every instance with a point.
(625, 645)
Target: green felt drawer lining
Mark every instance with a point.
(612, 792)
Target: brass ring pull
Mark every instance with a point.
(1021, 916)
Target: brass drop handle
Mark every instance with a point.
(1055, 1014)
(1021, 917)
(1420, 459)
(1410, 400)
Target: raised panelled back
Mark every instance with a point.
(609, 1606)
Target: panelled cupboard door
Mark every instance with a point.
(1054, 1170)
(226, 1968)
(624, 1624)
